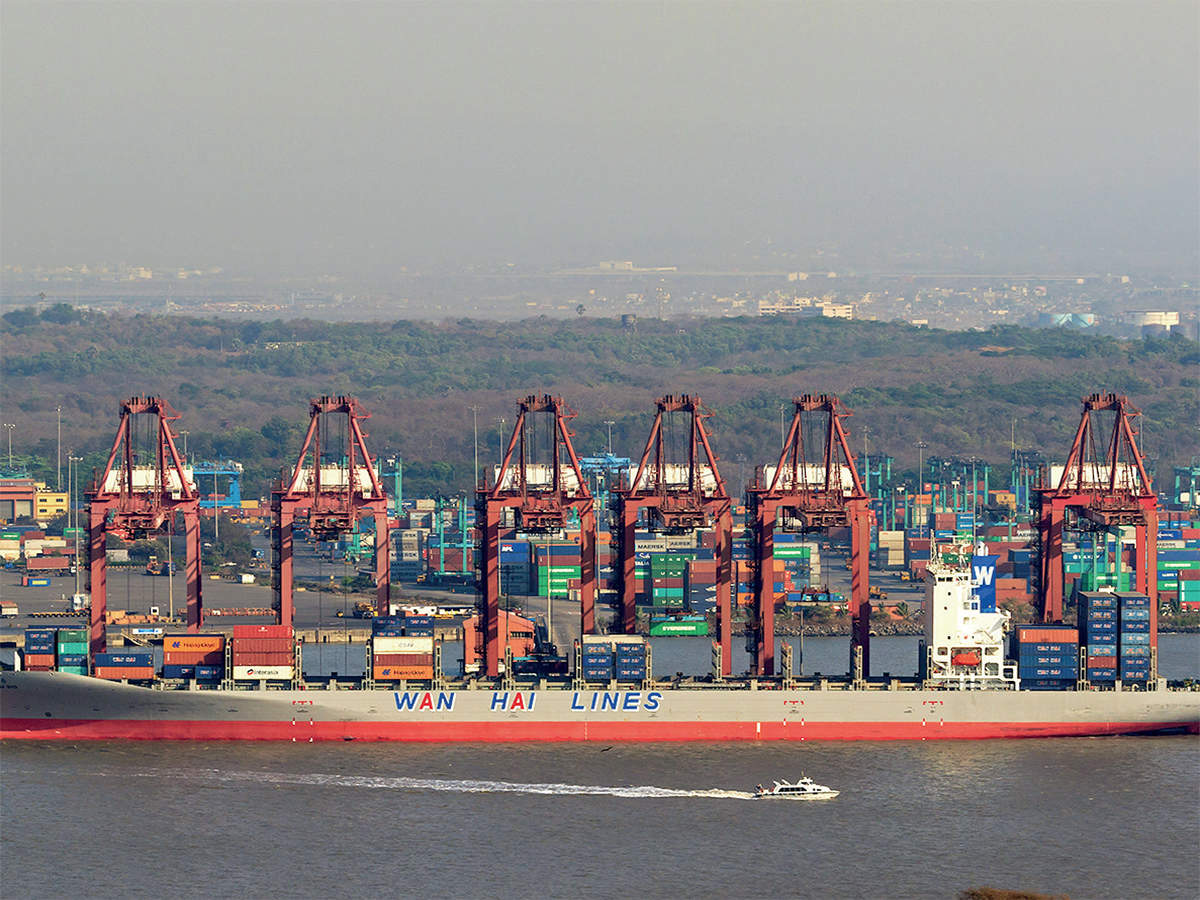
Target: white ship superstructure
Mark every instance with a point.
(964, 637)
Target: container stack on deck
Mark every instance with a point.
(129, 665)
(71, 651)
(198, 656)
(1047, 656)
(263, 652)
(1098, 621)
(40, 647)
(401, 651)
(1135, 638)
(597, 658)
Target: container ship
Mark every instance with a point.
(1052, 682)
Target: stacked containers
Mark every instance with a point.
(1047, 656)
(387, 626)
(71, 650)
(262, 652)
(40, 649)
(417, 626)
(557, 566)
(515, 570)
(630, 660)
(1098, 631)
(666, 579)
(198, 656)
(133, 665)
(597, 658)
(396, 658)
(1135, 638)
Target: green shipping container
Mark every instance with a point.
(678, 629)
(72, 634)
(72, 647)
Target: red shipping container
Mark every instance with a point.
(1189, 574)
(47, 563)
(117, 673)
(1038, 634)
(38, 668)
(38, 659)
(192, 658)
(263, 631)
(261, 645)
(402, 659)
(1101, 662)
(33, 536)
(1190, 534)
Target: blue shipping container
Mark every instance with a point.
(1130, 639)
(139, 660)
(1105, 674)
(209, 673)
(1135, 627)
(72, 659)
(1134, 614)
(1049, 672)
(1105, 649)
(179, 671)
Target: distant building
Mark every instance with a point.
(1143, 317)
(1067, 320)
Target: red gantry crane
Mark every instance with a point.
(680, 496)
(1104, 488)
(542, 496)
(144, 485)
(813, 487)
(335, 486)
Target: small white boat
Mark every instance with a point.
(804, 789)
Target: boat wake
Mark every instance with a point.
(469, 786)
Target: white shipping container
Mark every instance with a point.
(247, 578)
(256, 673)
(402, 644)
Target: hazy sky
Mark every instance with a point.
(283, 137)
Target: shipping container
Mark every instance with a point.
(262, 631)
(140, 658)
(402, 659)
(209, 673)
(124, 673)
(413, 644)
(261, 672)
(402, 673)
(175, 671)
(1047, 634)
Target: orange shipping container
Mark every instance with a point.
(398, 673)
(402, 659)
(205, 643)
(117, 673)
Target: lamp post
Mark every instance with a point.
(183, 432)
(10, 426)
(921, 445)
(610, 424)
(72, 478)
(500, 443)
(475, 419)
(58, 471)
(782, 433)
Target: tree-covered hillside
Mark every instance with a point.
(243, 387)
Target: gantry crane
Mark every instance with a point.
(680, 496)
(542, 496)
(1105, 488)
(335, 486)
(813, 487)
(135, 497)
